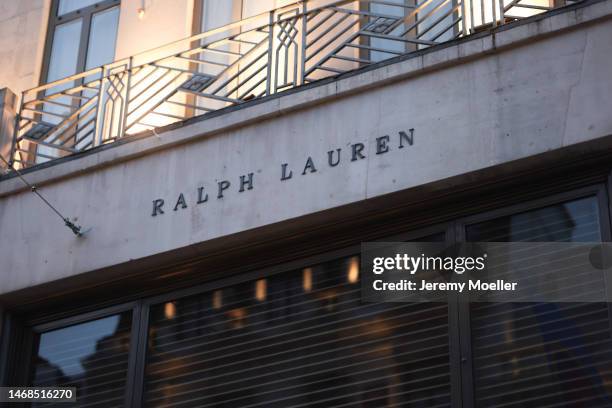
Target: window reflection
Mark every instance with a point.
(542, 354)
(67, 6)
(65, 50)
(300, 339)
(91, 356)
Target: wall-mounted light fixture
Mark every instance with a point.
(141, 10)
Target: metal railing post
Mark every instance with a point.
(464, 18)
(502, 17)
(494, 13)
(270, 47)
(127, 98)
(472, 24)
(483, 15)
(100, 112)
(303, 45)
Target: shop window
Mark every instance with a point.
(542, 354)
(91, 356)
(299, 339)
(304, 338)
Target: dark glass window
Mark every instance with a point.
(542, 354)
(298, 339)
(91, 356)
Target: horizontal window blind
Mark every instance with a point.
(299, 339)
(92, 356)
(543, 354)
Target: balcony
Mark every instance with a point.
(253, 58)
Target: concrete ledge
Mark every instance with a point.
(452, 53)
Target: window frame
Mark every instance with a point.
(86, 13)
(345, 252)
(36, 330)
(53, 21)
(599, 191)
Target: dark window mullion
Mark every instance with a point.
(605, 216)
(84, 44)
(66, 18)
(81, 61)
(31, 343)
(18, 349)
(72, 15)
(4, 345)
(465, 335)
(140, 332)
(454, 334)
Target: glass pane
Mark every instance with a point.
(216, 14)
(91, 356)
(102, 38)
(299, 339)
(65, 50)
(438, 21)
(100, 51)
(66, 6)
(575, 221)
(542, 354)
(391, 8)
(433, 22)
(219, 13)
(62, 63)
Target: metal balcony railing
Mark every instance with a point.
(252, 58)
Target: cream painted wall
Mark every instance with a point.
(23, 25)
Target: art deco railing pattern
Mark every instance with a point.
(252, 58)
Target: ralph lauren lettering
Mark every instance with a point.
(357, 152)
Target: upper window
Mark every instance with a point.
(82, 35)
(78, 39)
